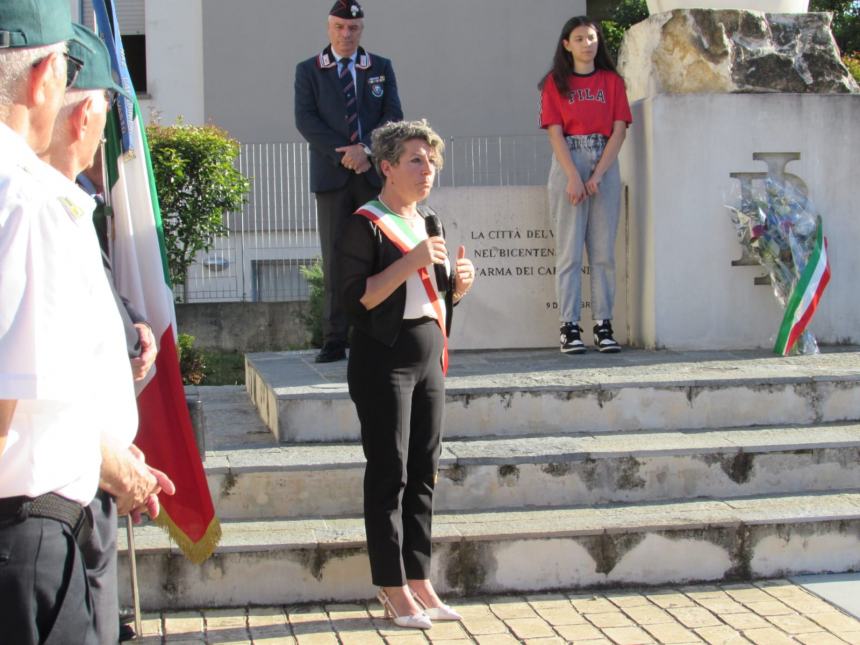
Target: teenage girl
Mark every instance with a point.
(585, 112)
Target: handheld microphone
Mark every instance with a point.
(434, 229)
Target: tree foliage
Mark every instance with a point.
(196, 183)
(846, 23)
(853, 65)
(623, 16)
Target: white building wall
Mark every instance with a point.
(174, 53)
(471, 67)
(174, 61)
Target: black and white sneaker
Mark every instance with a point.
(603, 340)
(571, 343)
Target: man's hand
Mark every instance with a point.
(141, 365)
(125, 476)
(354, 158)
(151, 506)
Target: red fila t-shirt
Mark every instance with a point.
(593, 103)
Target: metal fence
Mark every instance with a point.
(274, 234)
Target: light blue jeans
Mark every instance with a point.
(590, 225)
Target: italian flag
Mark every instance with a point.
(805, 296)
(139, 261)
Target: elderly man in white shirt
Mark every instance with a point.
(64, 372)
(126, 484)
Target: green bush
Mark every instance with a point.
(625, 14)
(196, 184)
(224, 367)
(853, 65)
(192, 361)
(313, 273)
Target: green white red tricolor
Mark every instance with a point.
(805, 296)
(165, 434)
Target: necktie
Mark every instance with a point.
(348, 85)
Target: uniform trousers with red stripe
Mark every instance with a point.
(399, 394)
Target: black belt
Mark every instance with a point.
(50, 506)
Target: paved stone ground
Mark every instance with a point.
(765, 613)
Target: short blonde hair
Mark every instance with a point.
(389, 141)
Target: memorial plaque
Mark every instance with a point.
(506, 231)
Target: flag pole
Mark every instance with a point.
(132, 556)
(106, 193)
(132, 561)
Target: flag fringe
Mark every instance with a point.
(198, 552)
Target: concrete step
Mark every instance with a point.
(326, 480)
(284, 561)
(541, 392)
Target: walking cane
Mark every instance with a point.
(132, 562)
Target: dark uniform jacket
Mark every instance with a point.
(320, 110)
(368, 252)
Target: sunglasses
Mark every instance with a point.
(73, 67)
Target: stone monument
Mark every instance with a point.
(508, 234)
(715, 94)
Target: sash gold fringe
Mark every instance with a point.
(198, 552)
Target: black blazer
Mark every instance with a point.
(363, 250)
(320, 111)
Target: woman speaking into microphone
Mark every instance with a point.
(400, 311)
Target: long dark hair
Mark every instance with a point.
(562, 61)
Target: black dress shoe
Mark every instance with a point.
(331, 352)
(126, 633)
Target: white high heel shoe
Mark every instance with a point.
(442, 612)
(413, 621)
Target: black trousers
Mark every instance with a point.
(333, 207)
(43, 585)
(399, 393)
(99, 553)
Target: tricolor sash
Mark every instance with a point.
(805, 296)
(401, 236)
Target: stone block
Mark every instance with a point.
(508, 234)
(678, 160)
(671, 633)
(714, 51)
(526, 628)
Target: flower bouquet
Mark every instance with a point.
(778, 226)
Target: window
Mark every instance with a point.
(131, 17)
(135, 58)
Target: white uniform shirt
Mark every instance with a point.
(62, 350)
